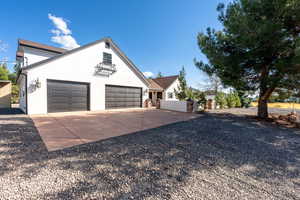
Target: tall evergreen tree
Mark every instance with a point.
(4, 73)
(181, 91)
(159, 75)
(257, 50)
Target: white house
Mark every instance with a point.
(163, 88)
(95, 76)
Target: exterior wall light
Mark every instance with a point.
(37, 83)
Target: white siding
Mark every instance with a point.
(33, 55)
(170, 89)
(180, 106)
(80, 66)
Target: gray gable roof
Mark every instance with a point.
(112, 44)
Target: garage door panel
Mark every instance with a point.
(64, 96)
(122, 97)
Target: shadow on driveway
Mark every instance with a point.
(213, 156)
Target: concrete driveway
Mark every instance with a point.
(62, 130)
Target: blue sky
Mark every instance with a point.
(157, 35)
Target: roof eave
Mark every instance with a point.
(106, 39)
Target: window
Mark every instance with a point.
(170, 95)
(107, 58)
(107, 45)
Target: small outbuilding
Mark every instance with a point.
(5, 94)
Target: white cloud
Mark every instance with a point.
(148, 74)
(67, 41)
(55, 32)
(3, 46)
(62, 34)
(60, 24)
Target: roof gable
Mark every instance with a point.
(166, 81)
(113, 46)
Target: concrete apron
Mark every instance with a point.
(63, 130)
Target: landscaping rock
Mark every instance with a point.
(214, 156)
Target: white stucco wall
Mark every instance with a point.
(80, 67)
(180, 106)
(32, 55)
(170, 89)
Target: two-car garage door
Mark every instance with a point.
(65, 96)
(122, 97)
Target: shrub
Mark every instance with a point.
(201, 100)
(220, 99)
(238, 103)
(15, 94)
(230, 100)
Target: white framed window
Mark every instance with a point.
(170, 95)
(107, 58)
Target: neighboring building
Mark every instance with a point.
(163, 88)
(210, 96)
(5, 94)
(96, 76)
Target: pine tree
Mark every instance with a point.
(258, 49)
(181, 91)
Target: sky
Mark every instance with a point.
(157, 35)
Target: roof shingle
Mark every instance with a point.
(154, 85)
(166, 81)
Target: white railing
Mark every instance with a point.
(180, 106)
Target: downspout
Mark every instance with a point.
(25, 75)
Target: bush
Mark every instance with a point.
(15, 94)
(246, 102)
(238, 103)
(201, 100)
(220, 99)
(230, 100)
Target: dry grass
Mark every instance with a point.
(280, 105)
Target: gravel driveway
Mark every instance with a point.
(215, 156)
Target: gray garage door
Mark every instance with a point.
(122, 97)
(65, 96)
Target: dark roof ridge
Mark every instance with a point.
(165, 77)
(41, 46)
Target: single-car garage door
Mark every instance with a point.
(122, 97)
(65, 96)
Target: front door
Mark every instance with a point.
(150, 95)
(159, 95)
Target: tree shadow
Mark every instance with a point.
(238, 153)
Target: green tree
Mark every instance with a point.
(220, 99)
(190, 94)
(237, 100)
(17, 67)
(230, 100)
(201, 99)
(3, 72)
(257, 50)
(159, 75)
(181, 91)
(15, 94)
(12, 77)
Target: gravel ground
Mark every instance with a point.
(253, 111)
(215, 156)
